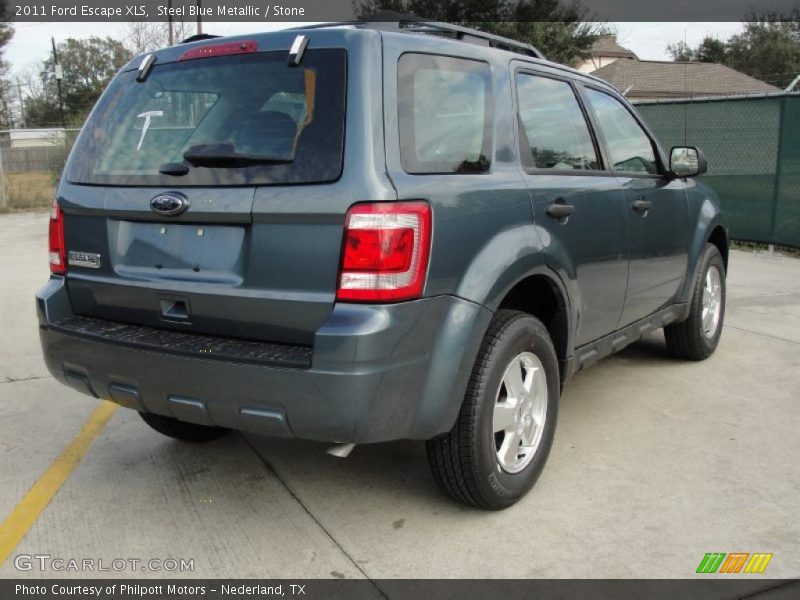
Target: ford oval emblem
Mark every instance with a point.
(169, 204)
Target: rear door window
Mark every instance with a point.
(555, 134)
(444, 114)
(233, 120)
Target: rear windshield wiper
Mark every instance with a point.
(225, 155)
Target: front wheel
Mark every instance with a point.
(503, 434)
(697, 337)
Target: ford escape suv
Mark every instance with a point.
(370, 233)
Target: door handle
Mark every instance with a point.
(559, 210)
(641, 205)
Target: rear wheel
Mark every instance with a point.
(500, 442)
(180, 430)
(697, 337)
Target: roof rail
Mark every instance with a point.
(388, 20)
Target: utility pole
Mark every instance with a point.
(199, 19)
(21, 104)
(59, 76)
(169, 23)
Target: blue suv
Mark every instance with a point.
(369, 233)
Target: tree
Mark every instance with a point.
(680, 52)
(6, 104)
(711, 50)
(768, 48)
(563, 31)
(41, 111)
(144, 36)
(6, 98)
(87, 65)
(41, 102)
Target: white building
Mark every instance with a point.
(37, 138)
(604, 52)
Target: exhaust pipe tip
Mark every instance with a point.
(341, 450)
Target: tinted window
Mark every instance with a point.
(554, 125)
(287, 122)
(630, 147)
(444, 112)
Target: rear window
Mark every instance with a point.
(444, 114)
(235, 120)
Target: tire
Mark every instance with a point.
(695, 338)
(180, 430)
(466, 463)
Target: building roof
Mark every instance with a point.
(663, 79)
(607, 46)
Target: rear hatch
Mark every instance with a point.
(193, 196)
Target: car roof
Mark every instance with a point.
(340, 33)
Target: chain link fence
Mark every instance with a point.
(31, 161)
(753, 149)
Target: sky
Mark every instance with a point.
(31, 41)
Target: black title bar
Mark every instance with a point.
(346, 10)
(396, 589)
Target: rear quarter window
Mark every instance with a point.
(444, 114)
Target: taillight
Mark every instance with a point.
(385, 255)
(226, 49)
(58, 251)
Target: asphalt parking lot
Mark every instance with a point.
(656, 462)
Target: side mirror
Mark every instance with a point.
(687, 161)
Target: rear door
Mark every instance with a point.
(254, 150)
(656, 204)
(575, 199)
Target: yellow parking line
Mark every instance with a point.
(24, 515)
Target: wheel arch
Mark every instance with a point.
(541, 295)
(708, 227)
(513, 270)
(719, 237)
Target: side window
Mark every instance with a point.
(630, 147)
(444, 111)
(556, 135)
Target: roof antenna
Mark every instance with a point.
(297, 50)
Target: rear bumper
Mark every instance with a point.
(377, 373)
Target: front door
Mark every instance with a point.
(656, 205)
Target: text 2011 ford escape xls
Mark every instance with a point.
(358, 235)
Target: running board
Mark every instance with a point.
(590, 353)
